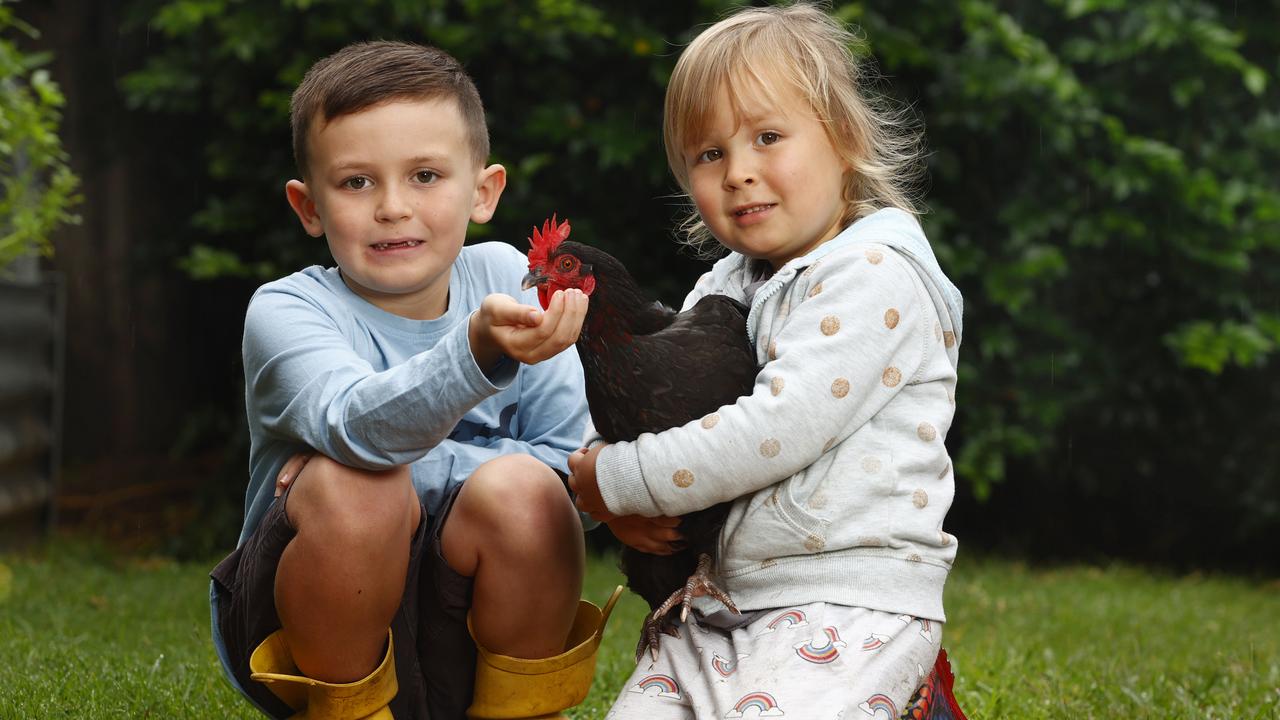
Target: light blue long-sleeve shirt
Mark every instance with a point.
(326, 369)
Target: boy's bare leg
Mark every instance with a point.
(514, 529)
(340, 579)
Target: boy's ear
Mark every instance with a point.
(489, 186)
(300, 200)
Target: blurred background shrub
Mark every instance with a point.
(1104, 187)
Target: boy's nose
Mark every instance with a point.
(393, 207)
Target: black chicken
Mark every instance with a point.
(648, 369)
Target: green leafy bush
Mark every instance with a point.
(1103, 188)
(37, 187)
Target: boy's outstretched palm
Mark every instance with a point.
(505, 326)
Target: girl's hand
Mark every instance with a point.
(582, 481)
(292, 468)
(653, 535)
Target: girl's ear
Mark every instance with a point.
(489, 186)
(299, 197)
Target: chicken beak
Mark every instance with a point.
(533, 279)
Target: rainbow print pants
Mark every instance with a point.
(812, 662)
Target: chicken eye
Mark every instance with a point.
(566, 263)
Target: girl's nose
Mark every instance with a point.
(735, 181)
(739, 175)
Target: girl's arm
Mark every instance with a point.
(853, 341)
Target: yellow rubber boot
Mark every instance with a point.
(367, 699)
(510, 688)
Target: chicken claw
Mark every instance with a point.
(699, 583)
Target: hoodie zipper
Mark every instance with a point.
(845, 237)
(773, 285)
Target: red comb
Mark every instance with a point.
(542, 244)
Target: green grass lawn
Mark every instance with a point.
(86, 634)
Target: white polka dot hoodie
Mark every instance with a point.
(835, 462)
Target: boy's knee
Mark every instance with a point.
(519, 489)
(351, 503)
(512, 508)
(519, 498)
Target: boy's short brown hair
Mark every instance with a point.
(362, 75)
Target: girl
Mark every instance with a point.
(834, 549)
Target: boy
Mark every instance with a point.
(407, 369)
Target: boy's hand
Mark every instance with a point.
(582, 481)
(654, 535)
(504, 326)
(292, 468)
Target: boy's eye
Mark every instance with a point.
(426, 177)
(768, 138)
(359, 182)
(709, 155)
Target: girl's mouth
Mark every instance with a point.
(753, 215)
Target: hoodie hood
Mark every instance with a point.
(891, 227)
(902, 232)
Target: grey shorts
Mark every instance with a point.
(434, 653)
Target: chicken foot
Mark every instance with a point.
(699, 583)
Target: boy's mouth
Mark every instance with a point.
(396, 244)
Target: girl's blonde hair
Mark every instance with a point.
(801, 45)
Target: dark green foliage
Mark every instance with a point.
(573, 94)
(1103, 188)
(37, 187)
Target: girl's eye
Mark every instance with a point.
(709, 155)
(566, 263)
(768, 138)
(359, 182)
(426, 177)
